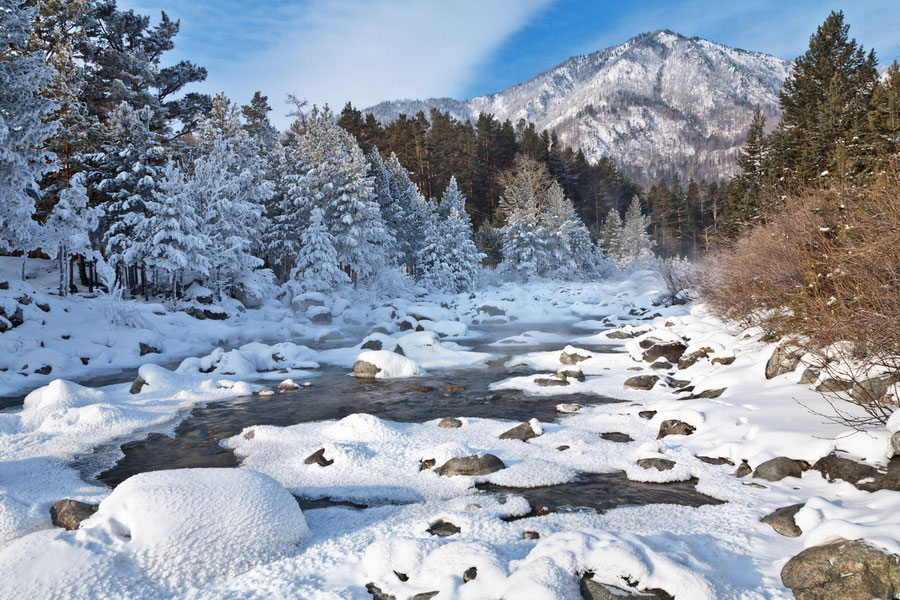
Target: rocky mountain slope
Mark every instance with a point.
(659, 103)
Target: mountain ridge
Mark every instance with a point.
(660, 103)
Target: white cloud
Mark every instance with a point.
(368, 51)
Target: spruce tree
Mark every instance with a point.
(317, 268)
(66, 231)
(636, 243)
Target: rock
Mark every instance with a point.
(895, 443)
(450, 423)
(318, 458)
(873, 390)
(45, 370)
(85, 360)
(671, 351)
(753, 484)
(782, 520)
(778, 468)
(443, 528)
(17, 318)
(530, 535)
(742, 471)
(4, 285)
(678, 383)
(708, 393)
(320, 316)
(477, 464)
(551, 382)
(69, 514)
(864, 477)
(372, 345)
(470, 574)
(365, 370)
(425, 595)
(615, 436)
(522, 431)
(834, 385)
(784, 359)
(147, 349)
(576, 374)
(660, 464)
(43, 307)
(250, 435)
(377, 593)
(710, 460)
(406, 325)
(24, 300)
(288, 385)
(647, 414)
(641, 382)
(401, 576)
(137, 385)
(722, 360)
(426, 463)
(619, 334)
(661, 364)
(592, 590)
(674, 427)
(572, 358)
(568, 408)
(250, 298)
(453, 388)
(689, 359)
(266, 392)
(491, 311)
(843, 570)
(809, 376)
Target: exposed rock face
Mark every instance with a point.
(137, 385)
(864, 477)
(365, 370)
(478, 464)
(69, 514)
(784, 359)
(671, 351)
(844, 570)
(572, 358)
(782, 520)
(450, 423)
(660, 464)
(674, 427)
(778, 468)
(147, 349)
(522, 431)
(641, 382)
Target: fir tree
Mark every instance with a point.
(636, 244)
(611, 234)
(317, 268)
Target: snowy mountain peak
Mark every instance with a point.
(660, 103)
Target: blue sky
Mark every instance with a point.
(370, 50)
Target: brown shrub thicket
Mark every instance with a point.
(825, 267)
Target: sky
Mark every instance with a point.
(365, 51)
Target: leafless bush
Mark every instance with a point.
(826, 267)
(679, 275)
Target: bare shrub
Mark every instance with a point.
(826, 267)
(679, 275)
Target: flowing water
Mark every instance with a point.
(333, 394)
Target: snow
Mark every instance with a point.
(391, 364)
(171, 528)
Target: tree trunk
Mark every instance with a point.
(82, 271)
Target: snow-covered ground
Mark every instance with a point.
(237, 533)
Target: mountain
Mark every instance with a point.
(660, 103)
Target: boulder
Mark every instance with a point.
(708, 393)
(661, 364)
(450, 423)
(593, 590)
(147, 349)
(671, 351)
(674, 427)
(641, 382)
(834, 385)
(895, 443)
(722, 360)
(784, 359)
(45, 370)
(522, 431)
(477, 464)
(137, 385)
(782, 520)
(616, 436)
(425, 595)
(551, 381)
(470, 574)
(531, 535)
(778, 468)
(372, 345)
(809, 376)
(491, 311)
(69, 514)
(619, 334)
(572, 358)
(714, 460)
(689, 359)
(365, 370)
(874, 389)
(647, 414)
(319, 315)
(576, 374)
(843, 570)
(318, 458)
(742, 471)
(443, 528)
(250, 298)
(377, 594)
(660, 464)
(288, 385)
(17, 318)
(864, 477)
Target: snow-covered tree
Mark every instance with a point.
(611, 234)
(337, 181)
(173, 233)
(522, 237)
(67, 230)
(636, 243)
(460, 252)
(567, 241)
(24, 126)
(317, 268)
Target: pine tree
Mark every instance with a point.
(317, 268)
(67, 230)
(825, 101)
(611, 234)
(636, 243)
(884, 117)
(459, 255)
(24, 126)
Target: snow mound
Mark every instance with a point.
(392, 365)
